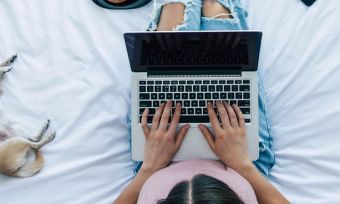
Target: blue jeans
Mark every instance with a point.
(194, 21)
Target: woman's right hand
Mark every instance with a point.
(230, 141)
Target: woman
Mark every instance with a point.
(234, 179)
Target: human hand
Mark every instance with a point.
(161, 140)
(230, 141)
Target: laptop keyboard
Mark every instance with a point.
(193, 95)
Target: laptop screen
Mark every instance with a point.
(222, 50)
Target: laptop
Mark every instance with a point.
(193, 68)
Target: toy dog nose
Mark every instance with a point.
(308, 2)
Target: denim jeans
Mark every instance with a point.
(193, 20)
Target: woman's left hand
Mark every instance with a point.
(162, 140)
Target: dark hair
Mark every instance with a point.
(202, 189)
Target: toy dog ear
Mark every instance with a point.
(308, 2)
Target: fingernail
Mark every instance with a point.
(187, 126)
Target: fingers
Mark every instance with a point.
(165, 116)
(223, 114)
(239, 115)
(213, 118)
(144, 123)
(208, 136)
(232, 115)
(180, 136)
(175, 120)
(157, 117)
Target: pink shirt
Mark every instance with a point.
(160, 184)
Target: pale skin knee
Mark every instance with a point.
(172, 16)
(213, 9)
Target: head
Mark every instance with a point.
(201, 189)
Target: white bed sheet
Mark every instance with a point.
(300, 67)
(73, 69)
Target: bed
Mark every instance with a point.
(73, 69)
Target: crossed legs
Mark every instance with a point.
(173, 13)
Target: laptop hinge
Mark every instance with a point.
(196, 73)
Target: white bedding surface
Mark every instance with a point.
(73, 69)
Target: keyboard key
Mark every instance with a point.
(194, 119)
(238, 95)
(246, 95)
(223, 96)
(205, 111)
(166, 82)
(169, 96)
(153, 96)
(152, 111)
(158, 89)
(206, 82)
(149, 119)
(219, 88)
(142, 89)
(232, 102)
(245, 110)
(150, 82)
(244, 88)
(185, 96)
(234, 88)
(191, 111)
(196, 88)
(226, 87)
(174, 82)
(230, 82)
(188, 88)
(144, 104)
(246, 81)
(231, 95)
(179, 102)
(198, 111)
(177, 96)
(214, 82)
(216, 95)
(211, 88)
(190, 82)
(198, 82)
(200, 95)
(165, 89)
(144, 96)
(201, 104)
(247, 120)
(182, 82)
(194, 103)
(186, 103)
(192, 96)
(244, 103)
(183, 111)
(161, 96)
(221, 81)
(142, 82)
(150, 88)
(173, 88)
(141, 111)
(207, 95)
(155, 104)
(238, 82)
(204, 88)
(180, 88)
(158, 82)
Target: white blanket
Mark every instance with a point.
(73, 68)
